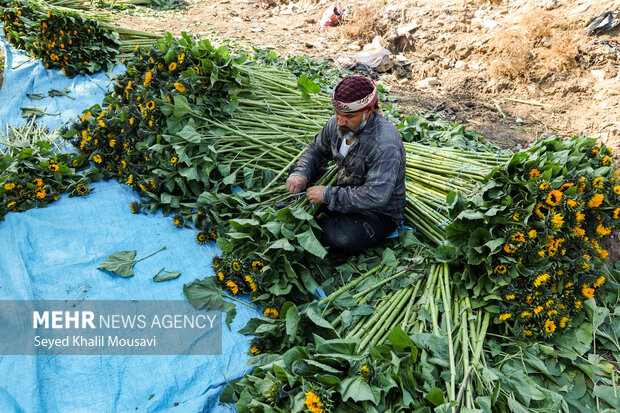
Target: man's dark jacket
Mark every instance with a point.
(372, 175)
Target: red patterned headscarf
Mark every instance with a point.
(354, 94)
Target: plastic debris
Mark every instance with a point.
(332, 15)
(602, 23)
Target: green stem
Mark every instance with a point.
(152, 253)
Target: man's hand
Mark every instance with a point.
(295, 184)
(315, 194)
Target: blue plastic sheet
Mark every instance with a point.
(53, 253)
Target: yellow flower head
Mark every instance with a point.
(543, 186)
(38, 182)
(606, 161)
(594, 152)
(9, 185)
(510, 297)
(538, 309)
(599, 282)
(86, 116)
(528, 333)
(525, 315)
(534, 173)
(500, 269)
(602, 231)
(174, 160)
(147, 78)
(255, 350)
(232, 286)
(549, 326)
(580, 216)
(236, 266)
(540, 211)
(97, 158)
(314, 403)
(554, 197)
(220, 275)
(41, 193)
(250, 282)
(257, 266)
(617, 189)
(598, 182)
(271, 312)
(602, 253)
(564, 321)
(179, 86)
(366, 371)
(596, 200)
(505, 316)
(586, 291)
(557, 221)
(518, 237)
(577, 304)
(150, 105)
(616, 213)
(541, 279)
(11, 204)
(509, 249)
(181, 58)
(172, 67)
(532, 233)
(571, 203)
(516, 216)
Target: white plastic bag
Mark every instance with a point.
(372, 54)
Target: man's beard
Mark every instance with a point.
(344, 132)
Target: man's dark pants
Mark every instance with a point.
(353, 232)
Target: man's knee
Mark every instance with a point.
(338, 240)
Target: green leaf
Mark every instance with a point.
(307, 86)
(310, 243)
(435, 396)
(401, 340)
(28, 111)
(169, 275)
(181, 106)
(389, 258)
(189, 133)
(283, 244)
(204, 293)
(356, 389)
(120, 263)
(35, 96)
(292, 321)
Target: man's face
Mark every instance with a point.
(348, 121)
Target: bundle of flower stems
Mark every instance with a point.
(451, 319)
(432, 172)
(272, 124)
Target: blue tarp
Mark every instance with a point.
(52, 253)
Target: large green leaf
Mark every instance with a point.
(310, 243)
(120, 263)
(356, 389)
(181, 106)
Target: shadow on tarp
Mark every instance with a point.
(53, 253)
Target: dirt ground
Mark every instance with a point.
(511, 71)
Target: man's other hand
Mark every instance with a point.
(295, 184)
(315, 194)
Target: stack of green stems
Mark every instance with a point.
(432, 173)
